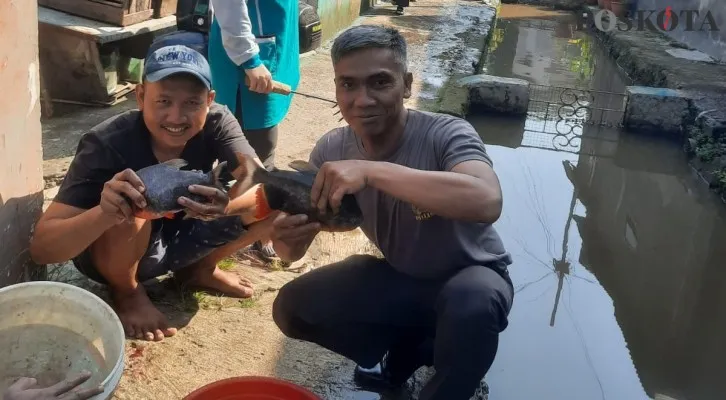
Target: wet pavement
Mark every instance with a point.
(620, 286)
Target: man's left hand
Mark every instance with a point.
(68, 389)
(335, 179)
(215, 208)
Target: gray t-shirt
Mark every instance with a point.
(414, 241)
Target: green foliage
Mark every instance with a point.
(707, 149)
(583, 64)
(496, 39)
(721, 178)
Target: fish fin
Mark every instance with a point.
(262, 207)
(217, 172)
(169, 215)
(144, 214)
(248, 172)
(177, 163)
(302, 166)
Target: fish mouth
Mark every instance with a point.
(175, 130)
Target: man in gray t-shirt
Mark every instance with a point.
(442, 294)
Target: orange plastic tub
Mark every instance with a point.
(252, 388)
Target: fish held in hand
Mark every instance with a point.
(166, 182)
(289, 192)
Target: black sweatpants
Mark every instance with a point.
(361, 307)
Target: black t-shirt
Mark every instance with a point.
(124, 142)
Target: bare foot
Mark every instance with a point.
(139, 317)
(216, 280)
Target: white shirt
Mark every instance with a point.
(237, 37)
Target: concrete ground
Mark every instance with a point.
(222, 337)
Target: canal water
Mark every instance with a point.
(620, 283)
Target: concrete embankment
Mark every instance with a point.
(656, 60)
(678, 91)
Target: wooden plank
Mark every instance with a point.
(46, 104)
(98, 31)
(109, 3)
(134, 12)
(93, 10)
(135, 18)
(72, 65)
(164, 8)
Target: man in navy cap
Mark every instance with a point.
(91, 220)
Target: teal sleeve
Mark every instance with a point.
(253, 62)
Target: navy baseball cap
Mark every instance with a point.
(175, 59)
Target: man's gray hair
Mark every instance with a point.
(363, 37)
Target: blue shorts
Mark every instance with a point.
(174, 244)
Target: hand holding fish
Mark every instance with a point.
(335, 179)
(217, 206)
(123, 187)
(295, 233)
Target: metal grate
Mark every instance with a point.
(558, 116)
(576, 106)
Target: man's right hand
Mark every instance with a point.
(294, 233)
(124, 185)
(260, 79)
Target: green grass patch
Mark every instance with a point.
(227, 264)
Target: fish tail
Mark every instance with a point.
(262, 207)
(248, 173)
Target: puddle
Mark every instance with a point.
(620, 286)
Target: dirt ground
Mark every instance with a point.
(222, 337)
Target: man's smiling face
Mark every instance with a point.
(370, 88)
(175, 109)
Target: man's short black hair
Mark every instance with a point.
(363, 37)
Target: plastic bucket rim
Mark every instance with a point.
(200, 391)
(82, 292)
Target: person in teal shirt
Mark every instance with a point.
(248, 36)
(257, 39)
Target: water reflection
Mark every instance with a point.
(573, 82)
(621, 288)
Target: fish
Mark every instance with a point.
(289, 191)
(166, 182)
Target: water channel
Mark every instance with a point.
(620, 286)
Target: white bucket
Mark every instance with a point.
(50, 330)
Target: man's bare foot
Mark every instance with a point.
(139, 317)
(216, 280)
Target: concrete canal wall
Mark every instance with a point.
(701, 35)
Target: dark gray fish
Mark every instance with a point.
(165, 183)
(289, 191)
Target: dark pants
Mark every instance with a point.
(173, 244)
(263, 141)
(361, 307)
